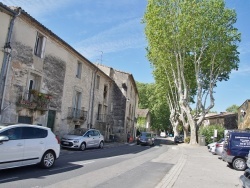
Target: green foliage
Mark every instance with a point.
(208, 132)
(152, 98)
(187, 139)
(233, 108)
(141, 121)
(192, 45)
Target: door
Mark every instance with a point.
(51, 119)
(24, 119)
(89, 139)
(35, 143)
(97, 138)
(11, 150)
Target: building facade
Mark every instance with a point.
(244, 115)
(125, 99)
(45, 81)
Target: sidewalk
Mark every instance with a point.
(198, 168)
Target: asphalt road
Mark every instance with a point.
(123, 166)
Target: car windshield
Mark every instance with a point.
(78, 132)
(144, 134)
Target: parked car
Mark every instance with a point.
(146, 138)
(163, 134)
(237, 146)
(219, 148)
(245, 179)
(82, 138)
(23, 144)
(179, 139)
(212, 147)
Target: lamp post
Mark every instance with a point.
(4, 72)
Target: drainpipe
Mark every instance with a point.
(92, 97)
(6, 60)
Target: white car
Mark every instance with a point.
(82, 138)
(163, 134)
(24, 144)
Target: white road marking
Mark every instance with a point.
(82, 162)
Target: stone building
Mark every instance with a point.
(226, 119)
(244, 115)
(125, 99)
(45, 81)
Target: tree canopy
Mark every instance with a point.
(151, 98)
(191, 45)
(233, 108)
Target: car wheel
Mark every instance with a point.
(82, 147)
(48, 159)
(101, 145)
(239, 164)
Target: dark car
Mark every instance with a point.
(236, 149)
(146, 138)
(179, 139)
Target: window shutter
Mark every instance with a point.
(43, 47)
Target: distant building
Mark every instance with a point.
(226, 119)
(125, 99)
(143, 120)
(244, 115)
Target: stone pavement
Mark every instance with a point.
(198, 168)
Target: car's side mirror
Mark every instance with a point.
(4, 138)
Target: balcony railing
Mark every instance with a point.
(34, 100)
(77, 114)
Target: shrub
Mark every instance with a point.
(187, 139)
(208, 132)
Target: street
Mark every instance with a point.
(127, 165)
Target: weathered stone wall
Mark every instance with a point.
(244, 115)
(54, 75)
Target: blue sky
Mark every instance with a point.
(110, 32)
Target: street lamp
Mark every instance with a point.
(7, 48)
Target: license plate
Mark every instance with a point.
(66, 143)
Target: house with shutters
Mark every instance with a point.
(45, 81)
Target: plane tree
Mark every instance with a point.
(195, 43)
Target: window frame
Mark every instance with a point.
(79, 70)
(40, 43)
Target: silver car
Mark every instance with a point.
(83, 138)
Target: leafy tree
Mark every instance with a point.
(208, 132)
(191, 45)
(233, 108)
(152, 98)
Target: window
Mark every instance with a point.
(33, 133)
(77, 104)
(33, 84)
(79, 70)
(40, 45)
(105, 91)
(96, 133)
(97, 81)
(99, 112)
(13, 133)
